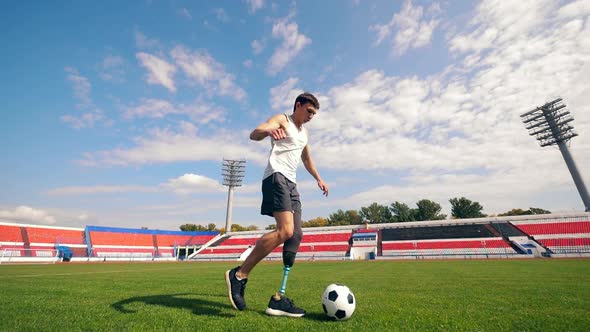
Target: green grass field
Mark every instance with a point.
(462, 295)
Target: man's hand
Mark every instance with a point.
(274, 127)
(323, 187)
(278, 133)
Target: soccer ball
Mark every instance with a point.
(338, 302)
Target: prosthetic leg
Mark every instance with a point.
(290, 250)
(279, 304)
(288, 261)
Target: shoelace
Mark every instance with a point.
(290, 302)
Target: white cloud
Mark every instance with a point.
(159, 71)
(248, 63)
(150, 108)
(25, 213)
(459, 132)
(199, 112)
(100, 189)
(184, 144)
(185, 13)
(86, 120)
(191, 183)
(574, 9)
(221, 15)
(292, 43)
(254, 5)
(283, 96)
(111, 68)
(143, 42)
(257, 46)
(413, 28)
(185, 184)
(82, 89)
(500, 22)
(204, 70)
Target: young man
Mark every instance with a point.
(280, 200)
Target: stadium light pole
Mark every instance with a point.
(233, 173)
(551, 124)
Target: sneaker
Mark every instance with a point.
(283, 306)
(235, 289)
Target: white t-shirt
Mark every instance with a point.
(285, 153)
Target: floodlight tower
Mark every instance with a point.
(233, 173)
(551, 125)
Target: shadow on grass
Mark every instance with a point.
(317, 316)
(190, 301)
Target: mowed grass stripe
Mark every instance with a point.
(495, 295)
(87, 272)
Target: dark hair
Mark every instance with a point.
(305, 98)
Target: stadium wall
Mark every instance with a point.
(551, 235)
(466, 238)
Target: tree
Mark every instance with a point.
(197, 228)
(188, 227)
(354, 217)
(513, 212)
(376, 214)
(428, 210)
(271, 227)
(402, 212)
(315, 222)
(192, 228)
(538, 211)
(521, 212)
(338, 218)
(464, 208)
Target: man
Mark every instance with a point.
(280, 200)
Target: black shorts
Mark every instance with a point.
(279, 194)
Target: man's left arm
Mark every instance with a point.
(310, 167)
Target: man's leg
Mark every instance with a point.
(290, 249)
(237, 278)
(279, 304)
(268, 242)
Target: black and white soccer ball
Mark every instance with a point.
(338, 302)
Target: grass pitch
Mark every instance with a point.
(440, 295)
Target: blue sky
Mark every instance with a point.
(120, 113)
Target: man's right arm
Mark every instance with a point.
(273, 127)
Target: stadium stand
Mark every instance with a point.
(496, 237)
(322, 244)
(11, 241)
(449, 247)
(11, 235)
(143, 244)
(552, 235)
(29, 243)
(559, 236)
(467, 240)
(331, 244)
(166, 242)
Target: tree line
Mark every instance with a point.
(425, 209)
(212, 228)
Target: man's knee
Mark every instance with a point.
(292, 244)
(284, 225)
(285, 233)
(297, 235)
